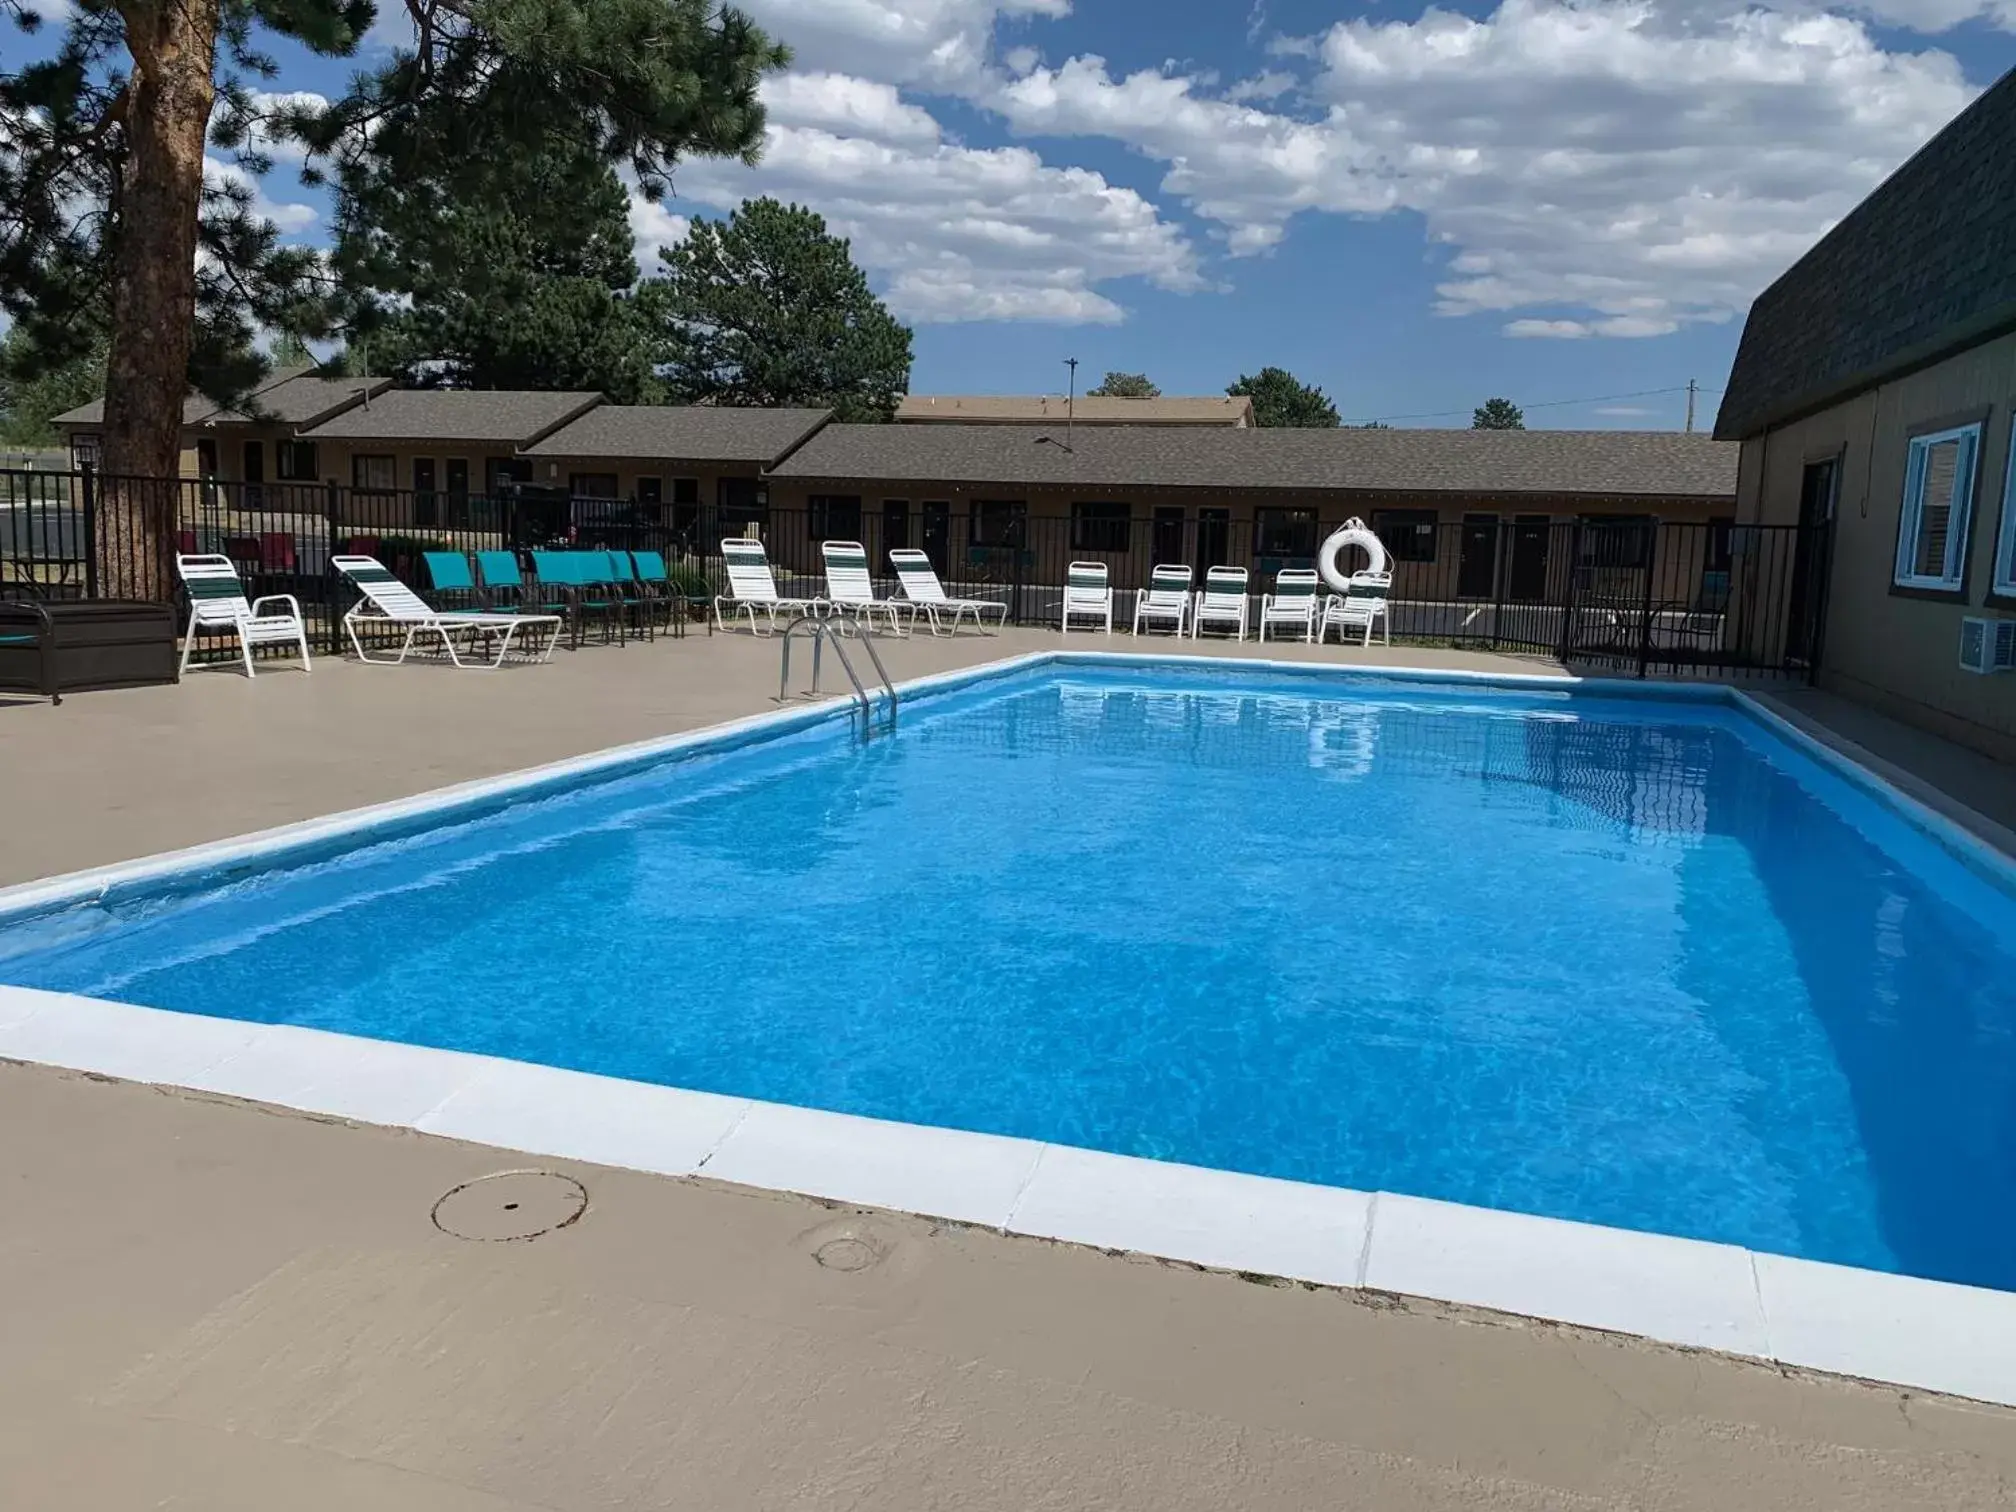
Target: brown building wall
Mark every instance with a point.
(1892, 648)
(1478, 541)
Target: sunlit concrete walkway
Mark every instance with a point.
(207, 1304)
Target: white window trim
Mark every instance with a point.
(2004, 572)
(1963, 506)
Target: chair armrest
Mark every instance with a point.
(277, 598)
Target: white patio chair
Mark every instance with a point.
(1224, 601)
(1359, 609)
(1166, 599)
(1293, 602)
(1088, 594)
(922, 588)
(752, 589)
(387, 601)
(217, 603)
(850, 588)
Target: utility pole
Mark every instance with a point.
(1071, 402)
(1690, 406)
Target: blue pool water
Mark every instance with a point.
(1630, 961)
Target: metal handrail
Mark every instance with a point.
(822, 631)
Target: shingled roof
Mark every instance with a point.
(500, 417)
(287, 396)
(1088, 409)
(684, 433)
(1924, 266)
(1610, 464)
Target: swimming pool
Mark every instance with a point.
(1631, 961)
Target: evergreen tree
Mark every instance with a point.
(116, 120)
(497, 271)
(768, 307)
(1124, 386)
(1498, 414)
(33, 391)
(1281, 399)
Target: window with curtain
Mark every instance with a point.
(1409, 534)
(1099, 525)
(1938, 497)
(835, 517)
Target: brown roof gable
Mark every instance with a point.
(1611, 464)
(682, 433)
(286, 396)
(502, 417)
(1922, 267)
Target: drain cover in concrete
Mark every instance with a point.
(511, 1205)
(849, 1244)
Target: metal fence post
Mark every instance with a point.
(332, 506)
(1568, 598)
(1017, 545)
(1645, 606)
(1501, 568)
(90, 530)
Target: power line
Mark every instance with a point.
(1678, 388)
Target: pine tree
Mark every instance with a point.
(1124, 386)
(1281, 399)
(768, 307)
(1498, 414)
(116, 121)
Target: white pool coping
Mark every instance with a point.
(1893, 1329)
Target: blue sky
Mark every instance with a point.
(1414, 207)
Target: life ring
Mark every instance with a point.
(1353, 533)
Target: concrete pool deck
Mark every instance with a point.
(218, 1305)
(352, 741)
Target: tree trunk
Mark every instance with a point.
(174, 49)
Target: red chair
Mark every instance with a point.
(276, 551)
(362, 546)
(185, 542)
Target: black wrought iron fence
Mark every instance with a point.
(1637, 596)
(1633, 595)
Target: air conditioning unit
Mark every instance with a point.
(1988, 645)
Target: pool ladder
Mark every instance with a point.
(822, 631)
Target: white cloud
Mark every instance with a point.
(960, 233)
(940, 42)
(1270, 85)
(291, 218)
(653, 226)
(1624, 411)
(1641, 167)
(846, 106)
(1938, 15)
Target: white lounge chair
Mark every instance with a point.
(387, 601)
(922, 588)
(752, 590)
(1293, 602)
(1360, 608)
(1223, 602)
(1166, 599)
(217, 602)
(850, 588)
(1088, 594)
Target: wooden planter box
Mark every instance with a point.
(85, 644)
